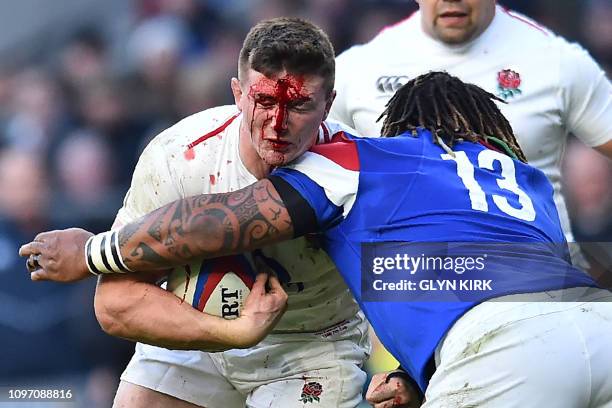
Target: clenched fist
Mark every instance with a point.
(57, 255)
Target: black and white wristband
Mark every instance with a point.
(103, 255)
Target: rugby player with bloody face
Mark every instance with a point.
(283, 93)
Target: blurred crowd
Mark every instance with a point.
(74, 119)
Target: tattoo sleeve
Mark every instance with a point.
(207, 225)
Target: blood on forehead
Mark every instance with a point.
(284, 91)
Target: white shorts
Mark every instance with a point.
(285, 370)
(536, 354)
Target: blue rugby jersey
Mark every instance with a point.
(408, 189)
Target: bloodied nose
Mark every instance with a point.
(280, 121)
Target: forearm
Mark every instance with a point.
(141, 311)
(203, 226)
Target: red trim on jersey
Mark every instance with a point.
(325, 133)
(522, 20)
(339, 137)
(213, 133)
(341, 150)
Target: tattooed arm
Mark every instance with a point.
(208, 225)
(130, 306)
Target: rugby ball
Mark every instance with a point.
(216, 286)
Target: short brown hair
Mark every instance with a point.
(290, 44)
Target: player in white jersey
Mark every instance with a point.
(315, 353)
(199, 155)
(552, 88)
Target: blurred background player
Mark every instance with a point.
(442, 172)
(283, 94)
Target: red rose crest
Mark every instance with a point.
(508, 82)
(311, 392)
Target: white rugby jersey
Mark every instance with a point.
(169, 169)
(559, 89)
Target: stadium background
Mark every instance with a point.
(84, 84)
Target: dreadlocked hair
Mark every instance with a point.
(452, 111)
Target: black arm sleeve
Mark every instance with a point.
(301, 213)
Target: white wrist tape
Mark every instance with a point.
(103, 255)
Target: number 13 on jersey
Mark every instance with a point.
(478, 199)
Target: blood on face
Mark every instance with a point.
(282, 93)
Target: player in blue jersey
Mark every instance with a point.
(449, 171)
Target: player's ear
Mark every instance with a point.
(329, 102)
(237, 92)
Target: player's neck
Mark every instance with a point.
(251, 159)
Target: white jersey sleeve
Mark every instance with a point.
(163, 173)
(586, 97)
(152, 185)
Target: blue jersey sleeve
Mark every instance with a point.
(327, 214)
